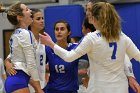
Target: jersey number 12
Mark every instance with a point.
(60, 68)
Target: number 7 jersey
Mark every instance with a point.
(106, 61)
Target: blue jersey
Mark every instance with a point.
(63, 75)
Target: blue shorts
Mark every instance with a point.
(58, 91)
(18, 81)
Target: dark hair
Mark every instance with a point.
(86, 24)
(34, 10)
(76, 38)
(67, 25)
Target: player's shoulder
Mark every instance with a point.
(21, 31)
(124, 36)
(95, 34)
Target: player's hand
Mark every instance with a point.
(134, 84)
(46, 40)
(10, 67)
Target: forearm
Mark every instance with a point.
(31, 62)
(35, 85)
(128, 67)
(68, 56)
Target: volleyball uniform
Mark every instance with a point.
(41, 62)
(22, 51)
(106, 61)
(128, 67)
(2, 72)
(63, 75)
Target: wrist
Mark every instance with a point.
(52, 45)
(6, 61)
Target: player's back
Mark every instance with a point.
(106, 59)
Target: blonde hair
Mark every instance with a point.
(2, 9)
(108, 19)
(12, 13)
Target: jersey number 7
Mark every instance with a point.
(114, 45)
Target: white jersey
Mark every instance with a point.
(106, 61)
(22, 51)
(41, 63)
(128, 67)
(2, 72)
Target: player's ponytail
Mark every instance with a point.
(3, 9)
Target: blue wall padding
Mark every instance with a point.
(73, 14)
(130, 14)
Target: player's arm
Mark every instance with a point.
(26, 40)
(128, 67)
(80, 50)
(130, 75)
(131, 50)
(134, 84)
(9, 66)
(68, 56)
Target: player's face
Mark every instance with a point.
(26, 18)
(89, 9)
(84, 30)
(61, 32)
(38, 21)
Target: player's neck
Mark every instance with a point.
(36, 34)
(62, 44)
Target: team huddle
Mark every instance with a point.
(98, 62)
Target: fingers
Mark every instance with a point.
(45, 34)
(11, 71)
(133, 87)
(137, 88)
(40, 35)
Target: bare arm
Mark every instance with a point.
(9, 66)
(134, 84)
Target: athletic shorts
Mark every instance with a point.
(58, 91)
(18, 81)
